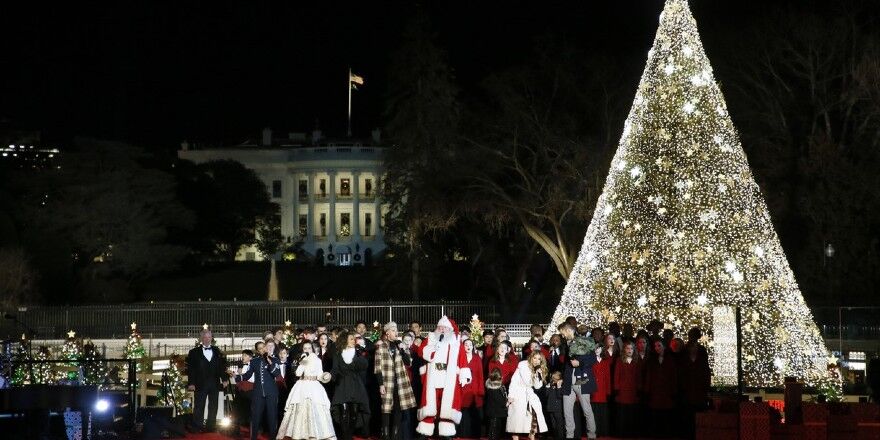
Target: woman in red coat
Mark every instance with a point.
(472, 395)
(661, 384)
(504, 360)
(600, 398)
(627, 387)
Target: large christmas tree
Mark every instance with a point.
(681, 232)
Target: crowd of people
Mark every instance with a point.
(335, 382)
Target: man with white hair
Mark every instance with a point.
(391, 363)
(206, 377)
(443, 375)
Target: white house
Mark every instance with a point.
(328, 191)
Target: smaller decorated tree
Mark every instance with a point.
(94, 369)
(23, 372)
(476, 330)
(831, 386)
(176, 395)
(289, 334)
(135, 350)
(375, 333)
(71, 351)
(42, 372)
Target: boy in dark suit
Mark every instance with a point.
(206, 373)
(264, 397)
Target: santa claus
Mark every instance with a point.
(444, 374)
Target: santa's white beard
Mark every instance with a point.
(437, 378)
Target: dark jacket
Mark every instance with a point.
(557, 363)
(206, 375)
(495, 402)
(694, 379)
(349, 380)
(554, 399)
(264, 377)
(586, 366)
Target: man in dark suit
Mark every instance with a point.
(264, 397)
(206, 373)
(556, 354)
(577, 388)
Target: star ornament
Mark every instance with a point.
(375, 323)
(702, 300)
(832, 360)
(287, 323)
(205, 326)
(133, 325)
(475, 317)
(71, 334)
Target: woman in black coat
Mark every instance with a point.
(350, 404)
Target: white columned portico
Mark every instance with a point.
(294, 202)
(377, 220)
(356, 206)
(332, 232)
(310, 227)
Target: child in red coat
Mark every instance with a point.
(628, 372)
(604, 386)
(504, 360)
(472, 395)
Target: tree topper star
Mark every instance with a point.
(133, 325)
(71, 334)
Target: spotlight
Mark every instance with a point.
(225, 422)
(102, 405)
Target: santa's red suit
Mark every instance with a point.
(443, 375)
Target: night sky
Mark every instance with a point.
(155, 74)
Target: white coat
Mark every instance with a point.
(525, 401)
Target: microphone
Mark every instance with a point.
(440, 339)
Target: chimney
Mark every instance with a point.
(377, 135)
(267, 136)
(184, 146)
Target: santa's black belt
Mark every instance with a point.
(440, 366)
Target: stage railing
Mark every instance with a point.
(185, 319)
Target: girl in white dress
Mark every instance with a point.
(307, 411)
(524, 412)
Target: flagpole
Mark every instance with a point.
(349, 102)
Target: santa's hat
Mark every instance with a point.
(446, 322)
